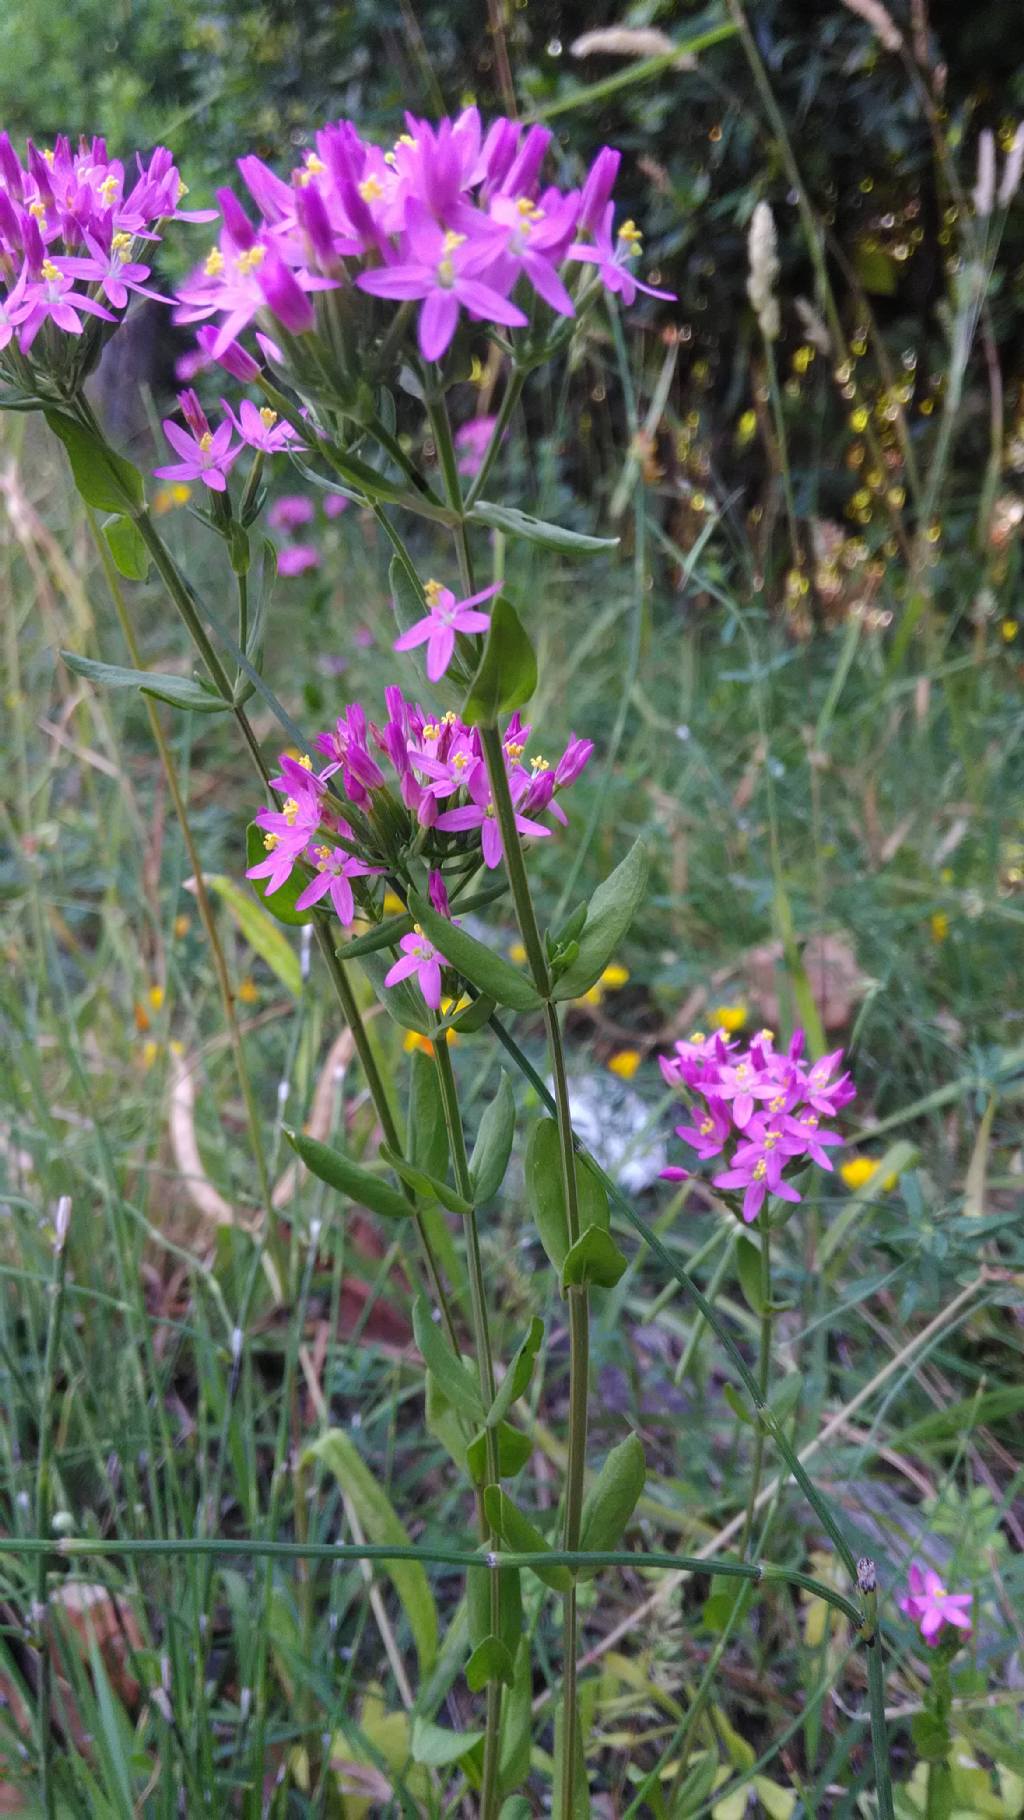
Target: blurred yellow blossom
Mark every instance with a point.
(248, 992)
(613, 977)
(393, 905)
(517, 953)
(860, 1170)
(730, 1018)
(624, 1063)
(166, 499)
(181, 926)
(938, 923)
(1009, 630)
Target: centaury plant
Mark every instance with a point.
(359, 288)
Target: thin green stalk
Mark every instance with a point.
(485, 1372)
(56, 1290)
(782, 443)
(763, 1368)
(879, 1729)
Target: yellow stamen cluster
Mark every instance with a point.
(290, 811)
(631, 237)
(460, 761)
(432, 591)
(206, 441)
(268, 418)
(108, 189)
(251, 258)
(214, 263)
(452, 240)
(270, 841)
(431, 730)
(50, 271)
(697, 1036)
(38, 209)
(538, 763)
(760, 1170)
(121, 245)
(371, 189)
(514, 749)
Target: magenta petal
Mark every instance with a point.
(439, 651)
(430, 983)
(491, 842)
(313, 892)
(416, 635)
(438, 318)
(401, 970)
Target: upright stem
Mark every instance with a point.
(55, 1290)
(763, 1368)
(485, 1373)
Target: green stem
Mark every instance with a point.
(56, 1289)
(515, 864)
(879, 1730)
(782, 444)
(763, 1368)
(485, 1372)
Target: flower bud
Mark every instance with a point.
(438, 894)
(233, 358)
(597, 190)
(285, 298)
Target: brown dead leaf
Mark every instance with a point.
(89, 1607)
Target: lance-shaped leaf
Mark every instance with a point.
(260, 930)
(127, 546)
(480, 1622)
(477, 963)
(612, 1499)
(493, 1146)
(457, 1383)
(281, 903)
(404, 1002)
(522, 1537)
(105, 480)
(506, 675)
(609, 914)
(427, 1185)
(491, 1661)
(516, 1807)
(436, 1747)
(426, 1142)
(514, 1449)
(518, 1374)
(517, 1728)
(594, 1261)
(537, 530)
(349, 1178)
(176, 691)
(546, 1197)
(378, 1519)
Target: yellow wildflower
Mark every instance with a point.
(730, 1018)
(624, 1063)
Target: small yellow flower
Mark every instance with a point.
(730, 1018)
(150, 1051)
(1009, 630)
(938, 923)
(614, 977)
(156, 997)
(517, 953)
(393, 905)
(248, 992)
(176, 1047)
(166, 499)
(181, 926)
(862, 1169)
(624, 1063)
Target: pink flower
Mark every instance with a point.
(206, 455)
(709, 1133)
(932, 1607)
(612, 261)
(260, 427)
(419, 956)
(481, 813)
(52, 298)
(446, 617)
(442, 272)
(291, 510)
(334, 505)
(110, 267)
(334, 871)
(297, 559)
(471, 443)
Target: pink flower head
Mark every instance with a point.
(260, 427)
(471, 442)
(233, 358)
(290, 511)
(297, 559)
(480, 813)
(442, 272)
(205, 455)
(709, 1132)
(613, 259)
(335, 870)
(334, 505)
(446, 616)
(931, 1607)
(419, 956)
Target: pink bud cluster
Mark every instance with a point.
(71, 226)
(452, 218)
(412, 782)
(769, 1102)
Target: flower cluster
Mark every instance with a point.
(933, 1608)
(71, 226)
(414, 784)
(451, 218)
(770, 1101)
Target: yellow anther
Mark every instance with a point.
(48, 154)
(432, 591)
(290, 810)
(270, 841)
(452, 240)
(760, 1170)
(314, 164)
(449, 719)
(268, 418)
(214, 263)
(182, 190)
(431, 730)
(371, 189)
(38, 209)
(206, 441)
(121, 244)
(538, 763)
(706, 1127)
(460, 761)
(446, 271)
(50, 271)
(697, 1036)
(251, 258)
(630, 233)
(514, 749)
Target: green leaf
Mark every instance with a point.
(786, 1395)
(514, 1449)
(476, 962)
(105, 480)
(748, 1270)
(595, 1259)
(436, 1747)
(127, 547)
(699, 1782)
(491, 1661)
(517, 1729)
(350, 1179)
(522, 1537)
(717, 1609)
(612, 1499)
(281, 903)
(457, 1383)
(471, 1018)
(536, 530)
(506, 675)
(493, 1146)
(177, 691)
(518, 1374)
(546, 1198)
(378, 1519)
(510, 1606)
(385, 935)
(427, 1185)
(739, 1408)
(516, 1807)
(260, 931)
(426, 1143)
(609, 914)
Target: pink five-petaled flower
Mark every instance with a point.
(334, 870)
(419, 956)
(931, 1606)
(481, 813)
(442, 272)
(446, 616)
(206, 457)
(612, 259)
(297, 558)
(260, 427)
(52, 297)
(709, 1132)
(110, 268)
(757, 1168)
